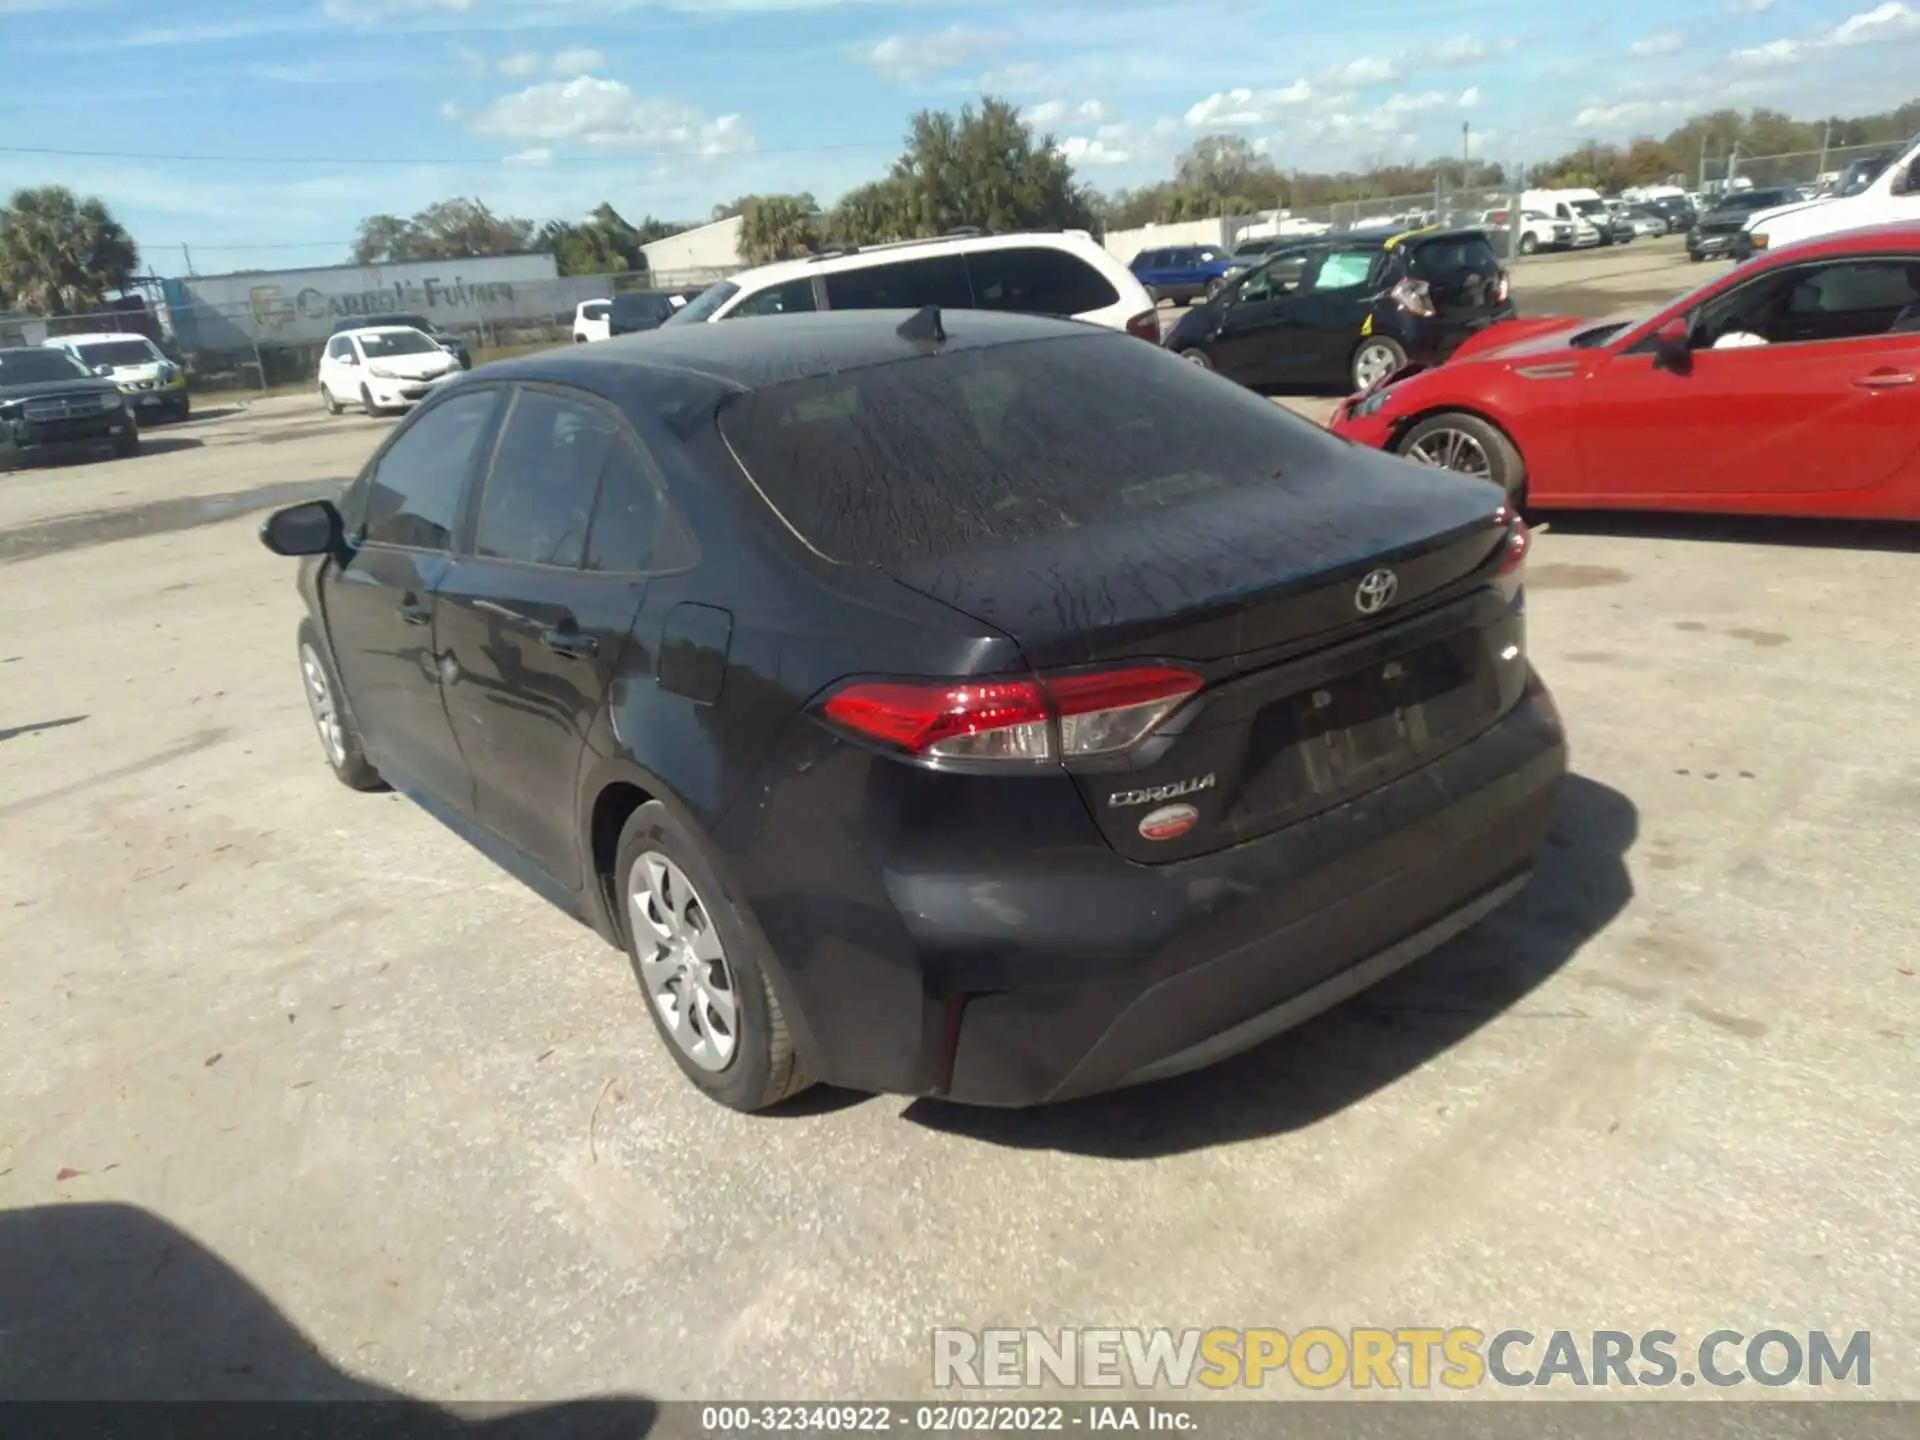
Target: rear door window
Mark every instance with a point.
(1341, 270)
(1039, 280)
(891, 463)
(792, 298)
(902, 285)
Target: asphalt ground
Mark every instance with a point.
(305, 1098)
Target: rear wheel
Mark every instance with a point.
(702, 966)
(1213, 287)
(127, 442)
(1374, 359)
(1198, 357)
(1467, 445)
(1528, 244)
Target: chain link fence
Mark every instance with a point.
(246, 346)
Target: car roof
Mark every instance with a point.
(761, 351)
(381, 330)
(832, 261)
(1871, 239)
(385, 320)
(94, 337)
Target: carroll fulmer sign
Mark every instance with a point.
(300, 307)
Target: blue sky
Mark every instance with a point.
(328, 110)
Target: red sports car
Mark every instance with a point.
(1790, 386)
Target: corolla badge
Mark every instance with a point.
(1121, 799)
(1376, 588)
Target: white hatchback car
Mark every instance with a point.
(1043, 272)
(590, 321)
(386, 367)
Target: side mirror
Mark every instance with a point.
(312, 528)
(1670, 348)
(103, 371)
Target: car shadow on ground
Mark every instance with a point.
(165, 443)
(1898, 537)
(1580, 884)
(111, 1304)
(36, 727)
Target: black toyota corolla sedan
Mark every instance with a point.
(984, 706)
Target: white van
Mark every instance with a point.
(1043, 272)
(1891, 199)
(1563, 205)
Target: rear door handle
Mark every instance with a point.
(1884, 379)
(570, 644)
(412, 611)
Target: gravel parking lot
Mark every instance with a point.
(298, 1063)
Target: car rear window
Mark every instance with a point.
(1446, 259)
(1038, 279)
(639, 309)
(929, 457)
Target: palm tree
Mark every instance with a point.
(60, 254)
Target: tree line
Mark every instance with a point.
(61, 253)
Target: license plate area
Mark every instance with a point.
(1365, 727)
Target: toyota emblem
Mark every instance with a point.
(1375, 590)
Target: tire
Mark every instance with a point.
(1374, 345)
(1198, 357)
(367, 407)
(1503, 463)
(334, 407)
(1213, 287)
(128, 445)
(1528, 244)
(658, 856)
(339, 741)
(183, 411)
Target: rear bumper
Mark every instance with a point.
(1060, 969)
(1430, 341)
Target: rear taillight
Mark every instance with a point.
(1503, 289)
(1413, 296)
(1055, 717)
(1513, 560)
(1145, 326)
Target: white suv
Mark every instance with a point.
(590, 321)
(1045, 272)
(155, 387)
(384, 367)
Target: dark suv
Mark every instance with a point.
(51, 404)
(1181, 273)
(446, 339)
(1716, 234)
(1348, 310)
(989, 706)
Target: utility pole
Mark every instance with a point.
(189, 257)
(1826, 142)
(1466, 156)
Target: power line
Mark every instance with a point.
(449, 160)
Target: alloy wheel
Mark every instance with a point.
(683, 966)
(326, 713)
(1452, 450)
(1374, 363)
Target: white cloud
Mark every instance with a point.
(1624, 111)
(1890, 20)
(1092, 110)
(474, 62)
(912, 57)
(1395, 106)
(1749, 7)
(606, 115)
(1095, 150)
(1047, 113)
(532, 159)
(1459, 51)
(523, 63)
(1470, 97)
(1665, 42)
(1367, 70)
(1121, 144)
(366, 12)
(1248, 107)
(450, 110)
(577, 60)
